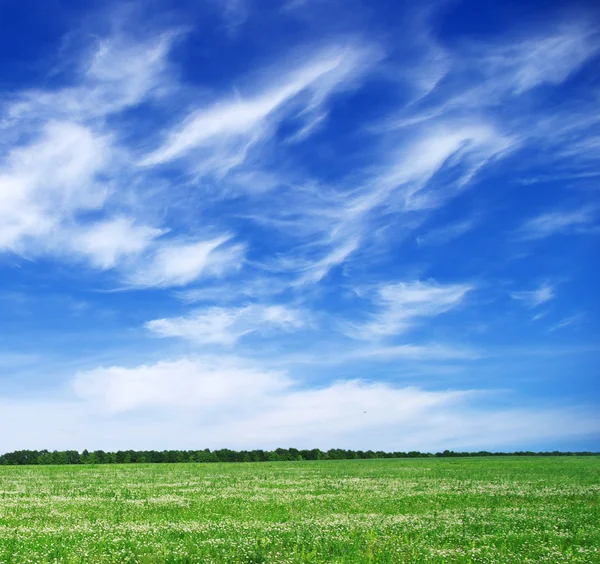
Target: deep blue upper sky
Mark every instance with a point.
(234, 223)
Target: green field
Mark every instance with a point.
(422, 510)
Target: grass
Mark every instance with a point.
(424, 510)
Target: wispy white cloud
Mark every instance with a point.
(344, 355)
(316, 271)
(108, 242)
(446, 233)
(559, 222)
(539, 315)
(118, 73)
(457, 149)
(225, 326)
(568, 321)
(177, 263)
(404, 305)
(549, 58)
(254, 286)
(535, 298)
(415, 352)
(234, 13)
(487, 74)
(220, 136)
(45, 184)
(420, 172)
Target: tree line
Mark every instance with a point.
(27, 457)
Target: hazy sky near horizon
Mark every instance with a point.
(308, 223)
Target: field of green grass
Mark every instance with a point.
(396, 510)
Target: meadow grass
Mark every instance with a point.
(395, 510)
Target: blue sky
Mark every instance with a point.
(245, 224)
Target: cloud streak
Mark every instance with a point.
(225, 326)
(558, 223)
(221, 135)
(404, 305)
(535, 298)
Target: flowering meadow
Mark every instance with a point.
(478, 510)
